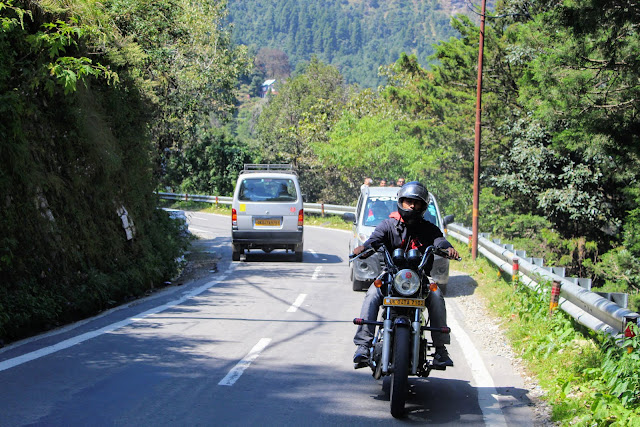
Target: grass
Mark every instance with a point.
(578, 370)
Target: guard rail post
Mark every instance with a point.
(322, 210)
(631, 326)
(516, 270)
(555, 297)
(216, 201)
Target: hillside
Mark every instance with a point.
(356, 36)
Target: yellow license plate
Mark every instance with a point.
(268, 222)
(403, 302)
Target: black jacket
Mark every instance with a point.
(394, 233)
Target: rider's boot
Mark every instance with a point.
(361, 357)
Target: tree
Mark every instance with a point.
(300, 114)
(274, 63)
(187, 67)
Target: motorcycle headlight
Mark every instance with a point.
(406, 282)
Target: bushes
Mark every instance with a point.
(612, 270)
(588, 379)
(71, 156)
(31, 303)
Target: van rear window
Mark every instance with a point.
(267, 190)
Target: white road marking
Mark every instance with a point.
(316, 272)
(10, 363)
(487, 395)
(298, 302)
(237, 370)
(200, 230)
(315, 255)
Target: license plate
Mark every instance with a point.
(403, 302)
(268, 222)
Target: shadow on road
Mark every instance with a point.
(257, 255)
(460, 285)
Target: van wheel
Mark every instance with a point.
(299, 252)
(235, 253)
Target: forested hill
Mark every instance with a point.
(356, 36)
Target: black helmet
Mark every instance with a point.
(412, 190)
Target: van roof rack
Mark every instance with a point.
(268, 167)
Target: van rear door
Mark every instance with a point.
(268, 203)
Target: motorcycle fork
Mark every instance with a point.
(416, 334)
(386, 341)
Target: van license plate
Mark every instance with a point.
(403, 302)
(268, 222)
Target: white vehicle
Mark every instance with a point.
(374, 205)
(267, 211)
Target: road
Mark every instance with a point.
(266, 341)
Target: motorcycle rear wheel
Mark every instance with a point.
(400, 376)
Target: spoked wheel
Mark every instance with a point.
(400, 376)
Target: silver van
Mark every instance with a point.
(267, 211)
(374, 205)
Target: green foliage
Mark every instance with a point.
(299, 118)
(187, 68)
(209, 165)
(356, 36)
(568, 159)
(587, 378)
(73, 155)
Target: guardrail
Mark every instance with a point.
(196, 198)
(320, 208)
(588, 308)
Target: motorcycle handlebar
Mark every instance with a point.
(444, 254)
(370, 251)
(364, 254)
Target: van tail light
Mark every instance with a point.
(300, 218)
(234, 218)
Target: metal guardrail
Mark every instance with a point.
(196, 198)
(320, 208)
(588, 308)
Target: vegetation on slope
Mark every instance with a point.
(96, 99)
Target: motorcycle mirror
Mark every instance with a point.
(413, 258)
(398, 258)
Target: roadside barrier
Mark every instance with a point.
(320, 208)
(575, 297)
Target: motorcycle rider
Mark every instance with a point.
(406, 229)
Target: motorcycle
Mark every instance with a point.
(399, 347)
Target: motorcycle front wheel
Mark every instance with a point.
(400, 376)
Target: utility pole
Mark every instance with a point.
(476, 157)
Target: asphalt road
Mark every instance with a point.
(266, 341)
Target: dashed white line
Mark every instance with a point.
(237, 370)
(316, 272)
(297, 303)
